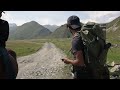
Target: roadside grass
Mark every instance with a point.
(64, 45)
(23, 47)
(114, 52)
(26, 47)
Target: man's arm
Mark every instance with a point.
(79, 61)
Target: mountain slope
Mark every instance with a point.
(113, 28)
(61, 32)
(52, 28)
(12, 28)
(30, 30)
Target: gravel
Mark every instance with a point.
(44, 64)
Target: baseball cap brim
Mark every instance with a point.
(75, 26)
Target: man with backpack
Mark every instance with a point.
(79, 68)
(89, 49)
(4, 56)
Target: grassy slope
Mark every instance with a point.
(24, 47)
(63, 44)
(29, 30)
(114, 52)
(114, 38)
(61, 32)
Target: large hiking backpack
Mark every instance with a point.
(95, 49)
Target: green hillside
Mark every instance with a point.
(113, 29)
(30, 30)
(61, 32)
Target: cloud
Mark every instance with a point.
(111, 16)
(43, 20)
(102, 16)
(11, 19)
(58, 17)
(42, 17)
(46, 21)
(6, 16)
(88, 20)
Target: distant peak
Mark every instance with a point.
(33, 22)
(12, 24)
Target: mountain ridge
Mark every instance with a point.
(30, 30)
(42, 31)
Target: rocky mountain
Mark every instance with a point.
(30, 30)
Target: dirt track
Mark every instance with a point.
(44, 64)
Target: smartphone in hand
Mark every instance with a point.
(62, 59)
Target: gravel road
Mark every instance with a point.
(44, 64)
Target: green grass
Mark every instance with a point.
(114, 52)
(114, 55)
(64, 45)
(27, 47)
(24, 47)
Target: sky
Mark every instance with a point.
(58, 17)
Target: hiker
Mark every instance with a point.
(79, 68)
(89, 49)
(4, 56)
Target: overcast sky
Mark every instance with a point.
(58, 17)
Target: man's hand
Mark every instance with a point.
(66, 61)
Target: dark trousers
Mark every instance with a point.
(9, 70)
(86, 73)
(81, 73)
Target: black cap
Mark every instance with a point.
(74, 22)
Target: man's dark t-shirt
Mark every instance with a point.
(80, 72)
(77, 44)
